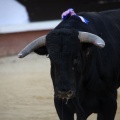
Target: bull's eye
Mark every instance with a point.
(72, 68)
(87, 53)
(75, 61)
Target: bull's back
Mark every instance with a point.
(111, 20)
(107, 25)
(113, 15)
(112, 24)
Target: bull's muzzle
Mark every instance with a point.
(65, 95)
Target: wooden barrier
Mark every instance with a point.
(12, 43)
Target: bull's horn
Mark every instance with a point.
(91, 38)
(39, 42)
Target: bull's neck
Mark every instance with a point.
(89, 70)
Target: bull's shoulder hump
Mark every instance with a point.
(87, 13)
(112, 15)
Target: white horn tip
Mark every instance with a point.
(20, 55)
(101, 45)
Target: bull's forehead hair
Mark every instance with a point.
(63, 40)
(59, 36)
(64, 31)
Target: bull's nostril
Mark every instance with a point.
(70, 92)
(66, 95)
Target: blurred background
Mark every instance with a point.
(50, 9)
(26, 91)
(28, 19)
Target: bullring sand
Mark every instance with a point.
(26, 91)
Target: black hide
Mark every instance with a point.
(91, 73)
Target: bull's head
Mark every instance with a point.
(63, 47)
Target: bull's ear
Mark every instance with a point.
(41, 51)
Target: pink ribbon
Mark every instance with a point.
(67, 13)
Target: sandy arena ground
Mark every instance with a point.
(26, 91)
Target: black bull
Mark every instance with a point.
(85, 72)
